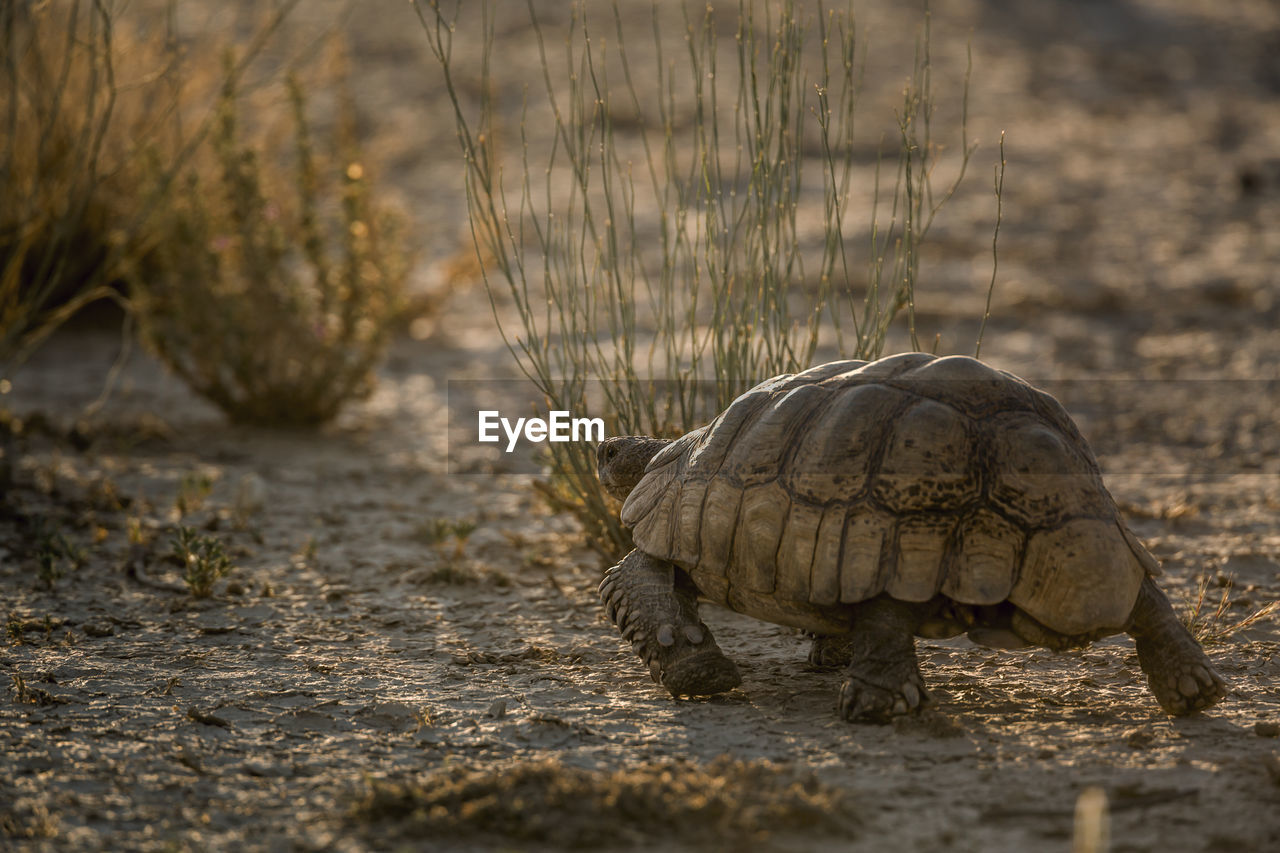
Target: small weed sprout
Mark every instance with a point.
(193, 491)
(448, 538)
(306, 555)
(203, 558)
(47, 568)
(437, 532)
(14, 630)
(54, 550)
(1209, 622)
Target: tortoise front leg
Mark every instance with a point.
(655, 605)
(1178, 671)
(883, 679)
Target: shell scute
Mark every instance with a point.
(761, 517)
(929, 461)
(1079, 578)
(1039, 477)
(921, 547)
(842, 444)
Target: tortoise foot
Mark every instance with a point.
(874, 700)
(693, 669)
(1177, 669)
(1181, 677)
(655, 606)
(883, 680)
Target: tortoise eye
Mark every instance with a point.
(607, 452)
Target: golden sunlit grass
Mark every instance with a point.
(74, 105)
(1210, 622)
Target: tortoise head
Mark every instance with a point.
(620, 461)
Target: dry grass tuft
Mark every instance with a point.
(569, 807)
(1210, 623)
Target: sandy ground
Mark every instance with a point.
(351, 686)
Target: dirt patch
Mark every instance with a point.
(547, 802)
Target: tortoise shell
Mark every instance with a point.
(912, 475)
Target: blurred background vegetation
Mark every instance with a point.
(257, 261)
(687, 235)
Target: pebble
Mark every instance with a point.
(1266, 729)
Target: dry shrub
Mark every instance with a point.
(275, 298)
(123, 162)
(87, 111)
(655, 252)
(549, 802)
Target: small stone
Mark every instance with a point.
(250, 497)
(1139, 738)
(1266, 728)
(99, 629)
(498, 709)
(1271, 763)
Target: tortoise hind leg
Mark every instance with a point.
(655, 605)
(883, 679)
(1178, 671)
(831, 650)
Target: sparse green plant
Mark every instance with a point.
(47, 568)
(677, 313)
(53, 551)
(276, 301)
(438, 532)
(193, 491)
(203, 558)
(454, 572)
(1210, 622)
(14, 630)
(307, 553)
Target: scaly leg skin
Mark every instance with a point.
(655, 605)
(883, 679)
(1178, 671)
(831, 650)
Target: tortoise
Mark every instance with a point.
(869, 503)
